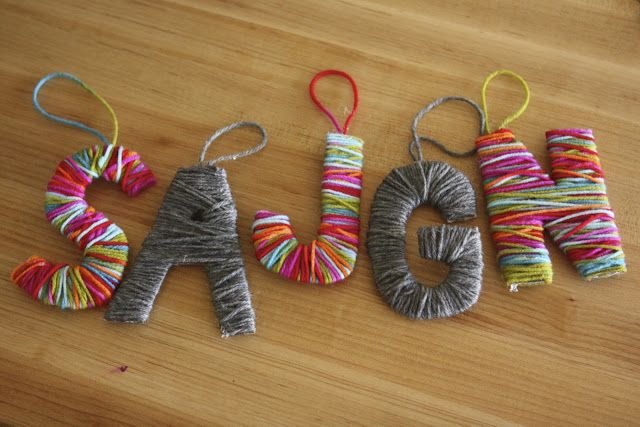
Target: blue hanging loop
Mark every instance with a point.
(73, 123)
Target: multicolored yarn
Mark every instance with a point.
(331, 257)
(92, 283)
(572, 206)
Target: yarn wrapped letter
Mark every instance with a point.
(572, 205)
(332, 255)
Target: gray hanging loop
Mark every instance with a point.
(234, 156)
(414, 147)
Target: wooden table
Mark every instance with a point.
(176, 70)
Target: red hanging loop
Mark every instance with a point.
(312, 92)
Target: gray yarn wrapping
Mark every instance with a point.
(449, 191)
(196, 224)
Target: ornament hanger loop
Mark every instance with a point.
(512, 116)
(46, 79)
(325, 110)
(415, 148)
(238, 155)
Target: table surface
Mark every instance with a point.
(176, 70)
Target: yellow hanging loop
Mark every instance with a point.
(516, 114)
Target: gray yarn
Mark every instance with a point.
(196, 224)
(449, 191)
(234, 156)
(415, 148)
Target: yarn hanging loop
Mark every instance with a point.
(312, 91)
(415, 149)
(510, 118)
(217, 134)
(59, 75)
(331, 256)
(105, 248)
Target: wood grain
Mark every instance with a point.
(175, 70)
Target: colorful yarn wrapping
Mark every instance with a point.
(331, 257)
(105, 246)
(572, 205)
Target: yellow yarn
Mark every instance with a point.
(516, 114)
(114, 119)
